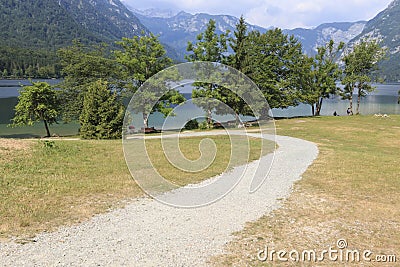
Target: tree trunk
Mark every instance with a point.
(209, 117)
(319, 105)
(238, 123)
(358, 102)
(313, 109)
(351, 103)
(47, 128)
(146, 120)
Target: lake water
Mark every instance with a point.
(382, 100)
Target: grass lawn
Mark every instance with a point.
(351, 192)
(43, 187)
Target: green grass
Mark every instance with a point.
(45, 184)
(43, 187)
(190, 148)
(351, 191)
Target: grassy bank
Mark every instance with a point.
(44, 185)
(350, 192)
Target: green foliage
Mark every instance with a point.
(48, 144)
(28, 63)
(102, 114)
(204, 125)
(359, 66)
(237, 60)
(81, 66)
(320, 76)
(192, 125)
(238, 44)
(31, 32)
(209, 47)
(38, 102)
(274, 62)
(141, 58)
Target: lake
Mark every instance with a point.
(382, 100)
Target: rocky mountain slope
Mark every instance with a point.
(176, 29)
(385, 27)
(319, 36)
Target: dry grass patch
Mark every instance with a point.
(351, 191)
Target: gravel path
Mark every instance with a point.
(148, 233)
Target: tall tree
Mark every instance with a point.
(37, 102)
(238, 44)
(102, 114)
(237, 60)
(81, 66)
(141, 58)
(274, 62)
(360, 63)
(209, 47)
(320, 76)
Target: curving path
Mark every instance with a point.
(148, 233)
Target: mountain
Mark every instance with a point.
(51, 23)
(32, 30)
(176, 30)
(385, 27)
(319, 36)
(109, 19)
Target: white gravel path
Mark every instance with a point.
(148, 233)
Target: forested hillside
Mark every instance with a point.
(31, 31)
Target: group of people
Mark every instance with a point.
(349, 112)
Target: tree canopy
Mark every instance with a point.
(211, 47)
(102, 114)
(360, 63)
(37, 102)
(321, 73)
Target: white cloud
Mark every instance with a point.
(279, 13)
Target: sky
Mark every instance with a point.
(286, 14)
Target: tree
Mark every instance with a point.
(237, 60)
(141, 58)
(274, 62)
(238, 44)
(37, 102)
(102, 114)
(360, 63)
(209, 47)
(81, 66)
(320, 76)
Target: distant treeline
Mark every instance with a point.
(28, 63)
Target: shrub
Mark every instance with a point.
(191, 125)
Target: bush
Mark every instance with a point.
(191, 125)
(204, 125)
(102, 114)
